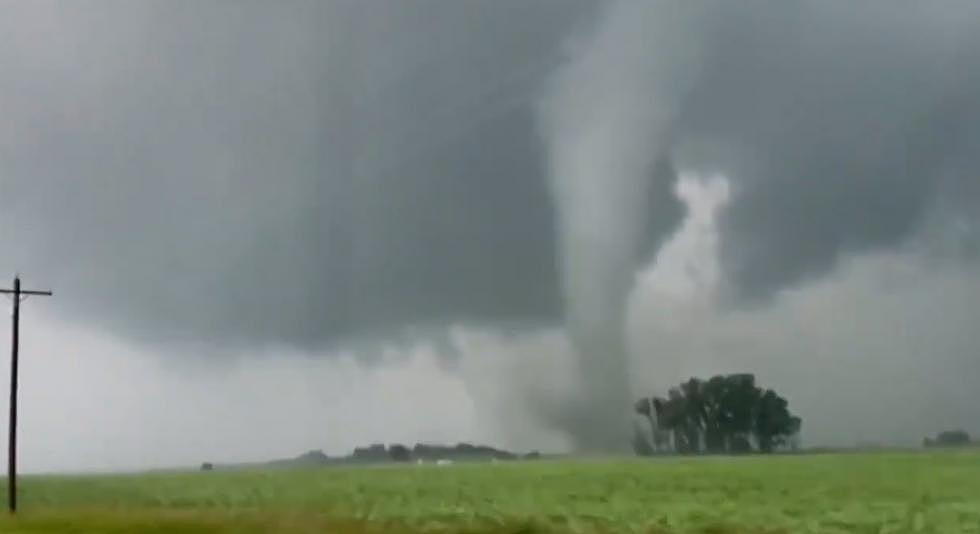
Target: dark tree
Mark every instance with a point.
(774, 425)
(716, 418)
(672, 415)
(949, 438)
(399, 453)
(694, 413)
(722, 414)
(740, 402)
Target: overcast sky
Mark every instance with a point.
(275, 227)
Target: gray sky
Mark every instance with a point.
(230, 197)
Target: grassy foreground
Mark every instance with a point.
(865, 493)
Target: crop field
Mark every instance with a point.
(937, 492)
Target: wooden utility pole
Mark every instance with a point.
(18, 295)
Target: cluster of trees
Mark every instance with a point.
(949, 438)
(427, 452)
(725, 414)
(460, 451)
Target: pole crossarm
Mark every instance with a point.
(26, 292)
(18, 296)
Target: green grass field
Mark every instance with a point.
(865, 493)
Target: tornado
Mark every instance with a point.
(605, 118)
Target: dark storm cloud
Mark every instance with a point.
(841, 126)
(289, 172)
(297, 171)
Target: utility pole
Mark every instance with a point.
(18, 295)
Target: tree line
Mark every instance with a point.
(724, 414)
(949, 438)
(397, 452)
